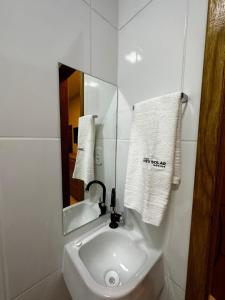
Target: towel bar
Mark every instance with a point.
(183, 98)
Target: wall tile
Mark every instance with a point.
(108, 9)
(3, 288)
(2, 256)
(125, 114)
(2, 292)
(30, 100)
(177, 244)
(175, 292)
(104, 49)
(151, 52)
(124, 124)
(30, 175)
(164, 294)
(28, 61)
(50, 288)
(194, 65)
(129, 8)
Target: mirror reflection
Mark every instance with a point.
(88, 114)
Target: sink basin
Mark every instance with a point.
(113, 264)
(113, 251)
(78, 214)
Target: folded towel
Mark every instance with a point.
(154, 158)
(84, 166)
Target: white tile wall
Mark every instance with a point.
(177, 243)
(157, 35)
(108, 9)
(34, 37)
(104, 47)
(129, 8)
(31, 188)
(175, 292)
(51, 288)
(161, 49)
(88, 2)
(193, 65)
(3, 274)
(28, 62)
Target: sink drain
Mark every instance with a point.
(112, 279)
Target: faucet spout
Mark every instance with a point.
(102, 204)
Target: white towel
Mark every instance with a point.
(84, 166)
(154, 158)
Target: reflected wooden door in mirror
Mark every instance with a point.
(71, 108)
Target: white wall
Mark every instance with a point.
(168, 37)
(35, 35)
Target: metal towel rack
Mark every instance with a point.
(183, 98)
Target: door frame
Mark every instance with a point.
(64, 73)
(207, 175)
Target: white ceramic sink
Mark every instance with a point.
(113, 264)
(78, 214)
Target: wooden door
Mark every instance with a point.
(217, 253)
(209, 191)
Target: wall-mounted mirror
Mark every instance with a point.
(88, 114)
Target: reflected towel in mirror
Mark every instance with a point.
(84, 166)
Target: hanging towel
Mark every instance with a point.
(84, 166)
(154, 158)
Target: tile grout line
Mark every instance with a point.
(92, 9)
(90, 37)
(100, 15)
(173, 281)
(86, 3)
(5, 283)
(136, 14)
(35, 284)
(107, 21)
(184, 45)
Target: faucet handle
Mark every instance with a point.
(117, 217)
(122, 218)
(113, 198)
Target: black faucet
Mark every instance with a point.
(101, 204)
(115, 218)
